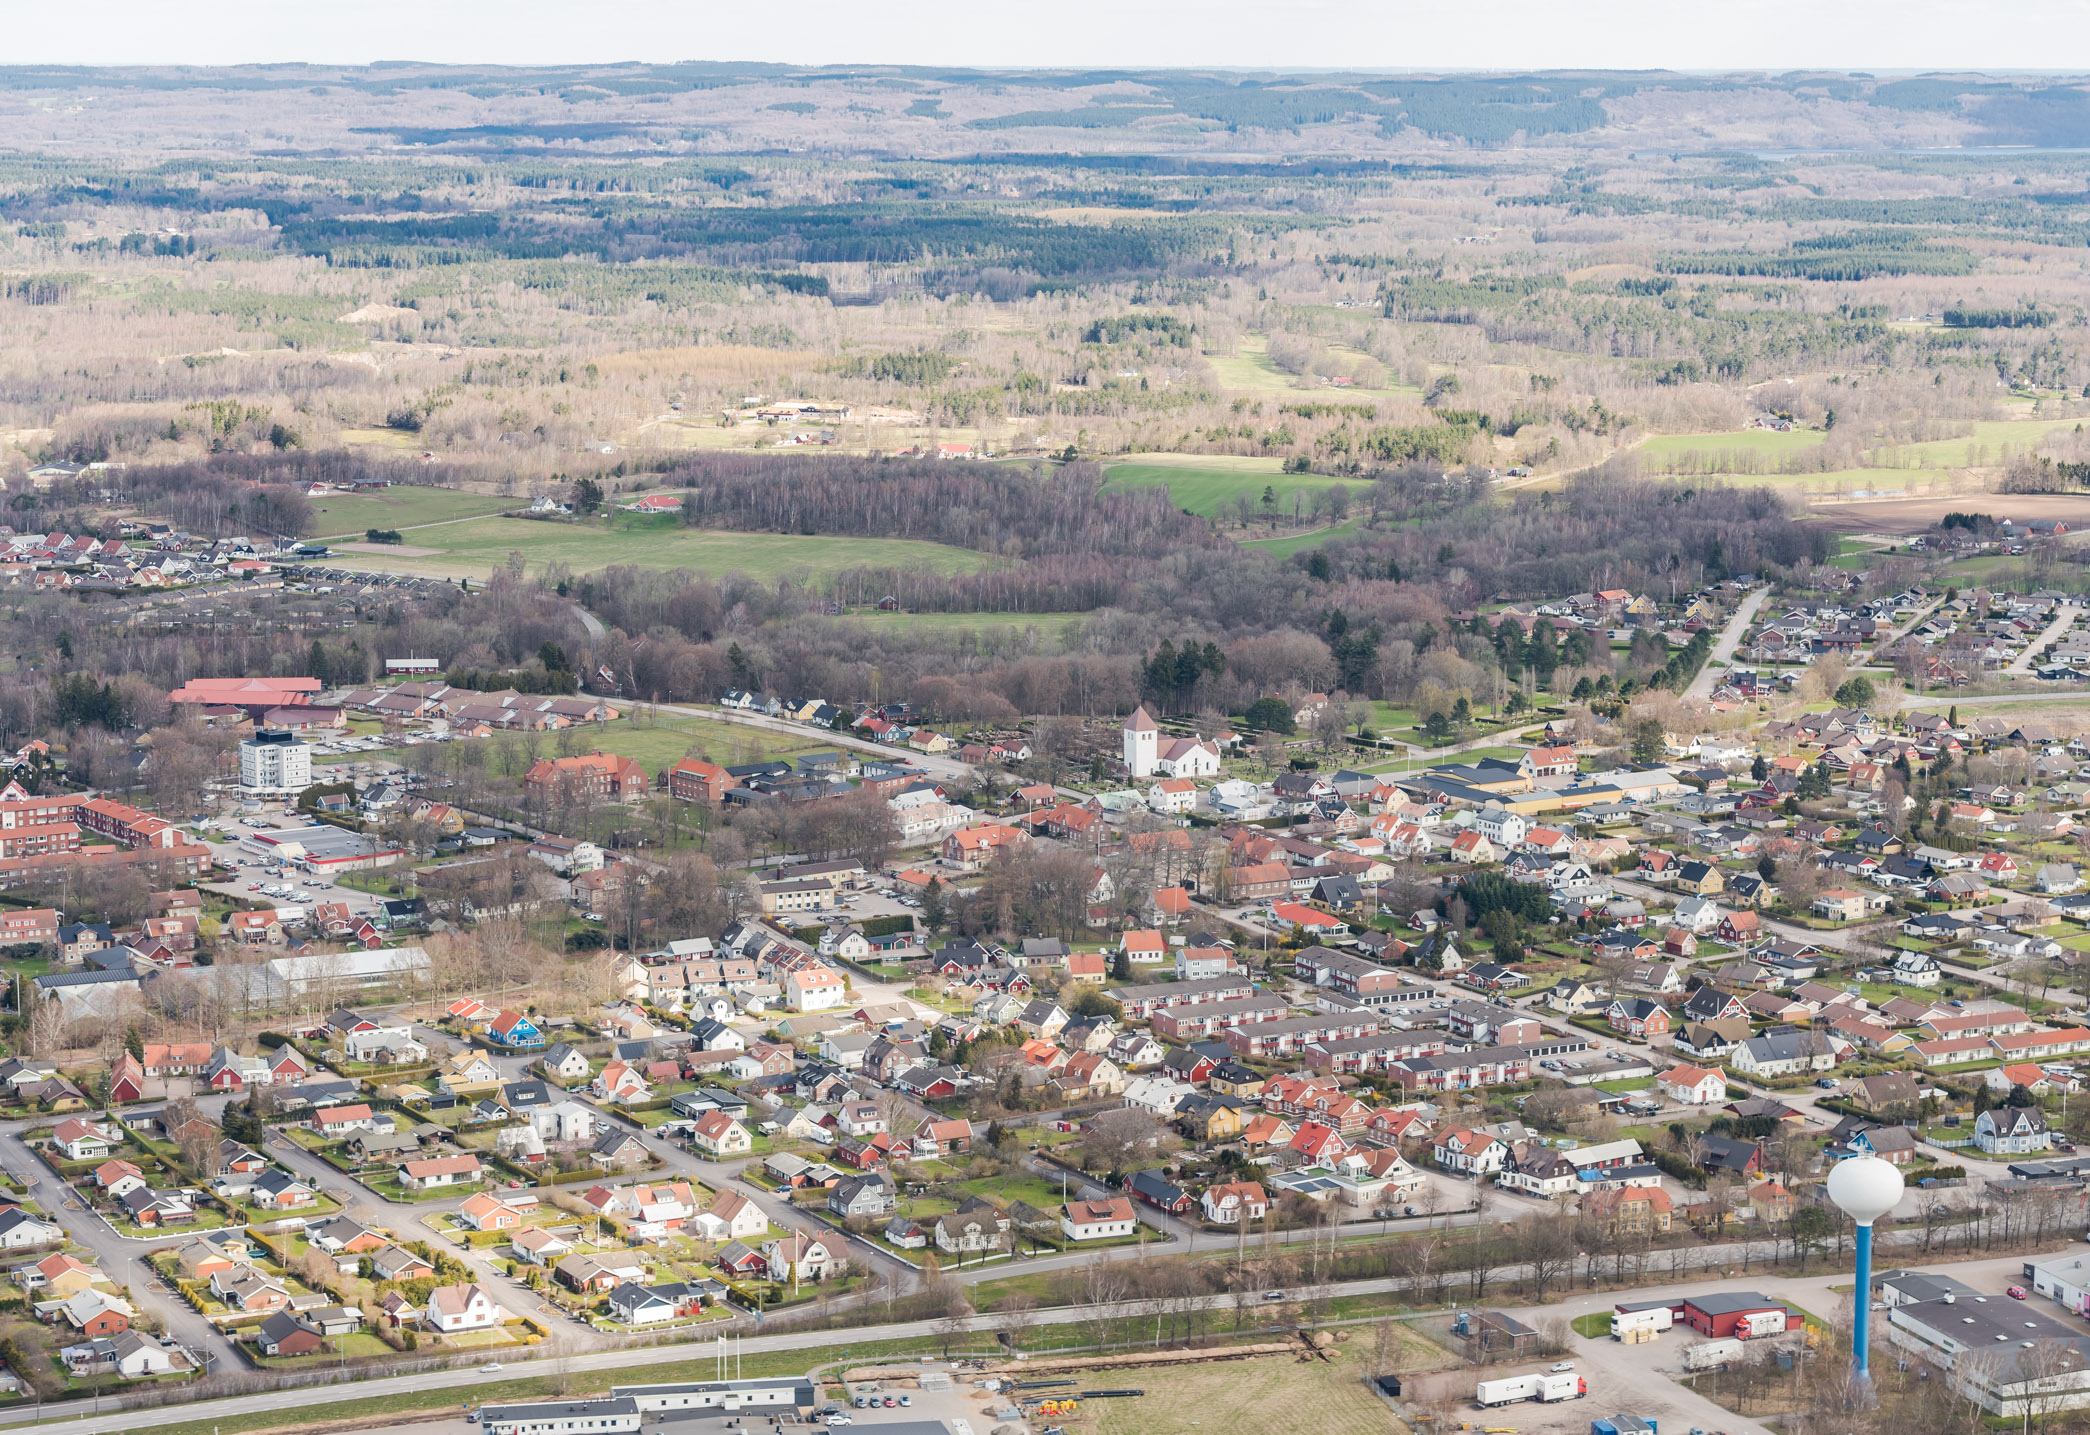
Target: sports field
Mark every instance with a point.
(473, 549)
(349, 515)
(1207, 484)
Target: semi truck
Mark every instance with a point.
(1544, 1388)
(1634, 1326)
(1709, 1353)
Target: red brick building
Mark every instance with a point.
(594, 776)
(695, 780)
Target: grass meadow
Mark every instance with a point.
(473, 549)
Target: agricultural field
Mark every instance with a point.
(474, 548)
(350, 515)
(1763, 455)
(1207, 485)
(1767, 443)
(1250, 371)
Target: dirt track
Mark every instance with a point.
(1897, 516)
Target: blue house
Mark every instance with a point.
(512, 1028)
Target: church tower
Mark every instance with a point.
(1142, 742)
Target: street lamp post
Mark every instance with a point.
(1866, 1188)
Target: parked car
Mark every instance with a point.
(2015, 1292)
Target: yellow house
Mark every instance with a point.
(1233, 1079)
(1700, 878)
(468, 1074)
(445, 818)
(1214, 1120)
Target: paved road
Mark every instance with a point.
(1880, 648)
(1811, 1292)
(2064, 618)
(1723, 648)
(1845, 938)
(119, 1256)
(1974, 701)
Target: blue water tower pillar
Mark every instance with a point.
(1865, 1188)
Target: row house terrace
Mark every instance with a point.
(1378, 1051)
(1141, 1003)
(1262, 1040)
(1206, 1019)
(1482, 1066)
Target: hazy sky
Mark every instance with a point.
(1467, 34)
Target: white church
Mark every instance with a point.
(1149, 754)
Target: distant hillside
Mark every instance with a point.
(633, 110)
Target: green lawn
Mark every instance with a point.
(1054, 632)
(350, 515)
(473, 549)
(1984, 446)
(665, 743)
(1769, 445)
(1759, 453)
(1206, 485)
(1251, 371)
(1286, 547)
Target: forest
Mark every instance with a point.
(1297, 373)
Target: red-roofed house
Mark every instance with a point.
(1318, 1144)
(1693, 1085)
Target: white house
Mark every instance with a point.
(1159, 1094)
(1693, 1085)
(1697, 915)
(1172, 795)
(740, 1218)
(565, 1062)
(1469, 1152)
(2012, 1131)
(1501, 826)
(462, 1307)
(1098, 1220)
(814, 987)
(1197, 964)
(564, 1121)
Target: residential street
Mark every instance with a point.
(2065, 615)
(1844, 938)
(1813, 1293)
(1723, 648)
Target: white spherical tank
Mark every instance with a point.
(1865, 1187)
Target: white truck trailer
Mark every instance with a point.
(1545, 1388)
(1633, 1326)
(1709, 1353)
